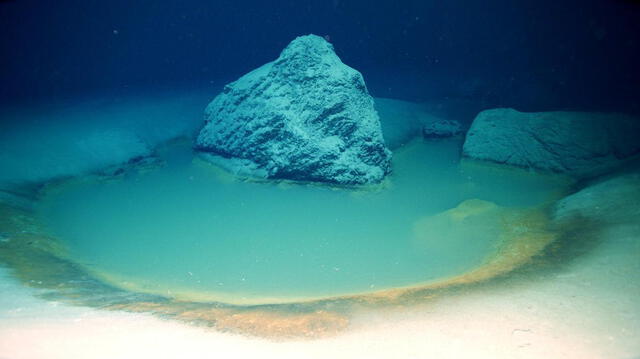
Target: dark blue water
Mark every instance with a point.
(531, 54)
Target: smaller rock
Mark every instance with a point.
(612, 200)
(579, 144)
(442, 129)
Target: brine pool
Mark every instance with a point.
(193, 232)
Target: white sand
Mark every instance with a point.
(589, 310)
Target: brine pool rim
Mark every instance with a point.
(111, 297)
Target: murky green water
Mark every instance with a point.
(188, 230)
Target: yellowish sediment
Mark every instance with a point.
(523, 234)
(36, 259)
(281, 325)
(39, 260)
(272, 324)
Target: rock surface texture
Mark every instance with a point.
(305, 116)
(576, 143)
(612, 200)
(442, 129)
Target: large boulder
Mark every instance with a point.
(576, 143)
(305, 116)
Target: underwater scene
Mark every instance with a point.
(319, 179)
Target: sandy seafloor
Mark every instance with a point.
(588, 310)
(587, 307)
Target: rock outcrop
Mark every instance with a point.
(611, 200)
(305, 116)
(576, 143)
